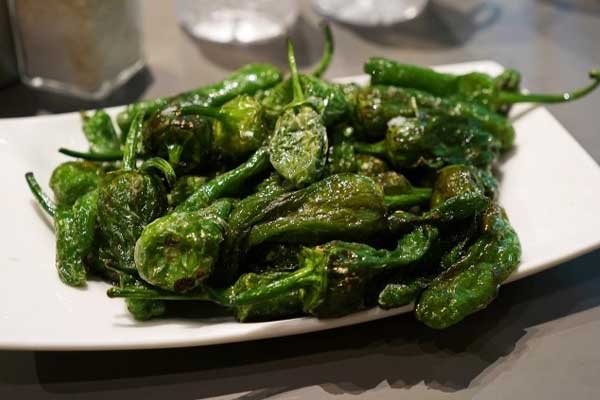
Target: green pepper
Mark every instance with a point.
(180, 250)
(331, 280)
(472, 282)
(458, 194)
(342, 206)
(72, 179)
(434, 142)
(129, 199)
(333, 277)
(185, 140)
(74, 227)
(240, 222)
(298, 146)
(475, 86)
(247, 80)
(377, 105)
(238, 128)
(228, 184)
(100, 132)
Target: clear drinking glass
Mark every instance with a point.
(236, 21)
(83, 48)
(370, 12)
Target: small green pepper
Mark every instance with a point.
(238, 128)
(180, 250)
(240, 222)
(458, 194)
(100, 132)
(434, 142)
(331, 280)
(185, 141)
(380, 104)
(298, 146)
(472, 282)
(247, 80)
(129, 199)
(342, 206)
(75, 228)
(333, 277)
(72, 179)
(475, 86)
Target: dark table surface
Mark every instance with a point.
(538, 340)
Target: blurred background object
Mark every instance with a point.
(83, 48)
(370, 12)
(8, 62)
(237, 22)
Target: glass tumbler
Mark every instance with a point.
(370, 12)
(236, 21)
(83, 48)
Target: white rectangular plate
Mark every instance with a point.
(549, 188)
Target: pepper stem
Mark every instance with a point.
(41, 197)
(131, 143)
(163, 166)
(211, 112)
(511, 97)
(375, 149)
(109, 156)
(296, 87)
(228, 183)
(328, 49)
(174, 151)
(300, 278)
(416, 197)
(154, 294)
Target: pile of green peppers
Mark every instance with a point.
(277, 197)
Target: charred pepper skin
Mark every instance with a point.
(128, 200)
(75, 232)
(72, 179)
(179, 251)
(249, 79)
(472, 282)
(493, 93)
(342, 206)
(383, 103)
(434, 141)
(100, 132)
(298, 146)
(333, 277)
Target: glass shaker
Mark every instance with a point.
(83, 48)
(237, 21)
